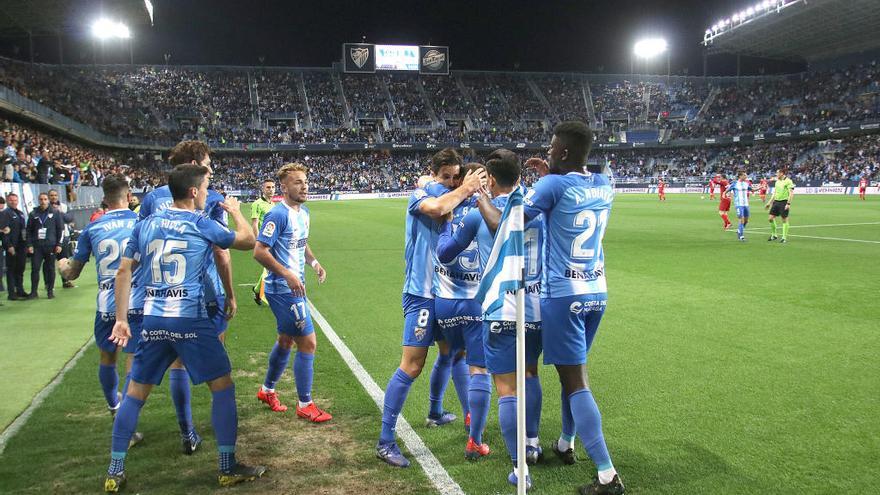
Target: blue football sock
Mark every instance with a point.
(739, 230)
(479, 395)
(125, 385)
(178, 382)
(123, 428)
(534, 401)
(588, 422)
(303, 372)
(439, 379)
(461, 378)
(568, 430)
(395, 395)
(224, 417)
(109, 383)
(507, 422)
(278, 359)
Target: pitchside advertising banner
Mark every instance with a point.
(368, 58)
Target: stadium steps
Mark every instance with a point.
(540, 96)
(301, 89)
(467, 96)
(340, 93)
(709, 99)
(427, 101)
(588, 103)
(256, 118)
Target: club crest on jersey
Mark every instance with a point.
(360, 56)
(420, 332)
(269, 229)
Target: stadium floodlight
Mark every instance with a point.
(105, 29)
(750, 11)
(651, 47)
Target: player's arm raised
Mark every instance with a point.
(437, 208)
(319, 270)
(453, 241)
(121, 291)
(244, 236)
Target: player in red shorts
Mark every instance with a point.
(712, 182)
(724, 205)
(661, 190)
(762, 189)
(863, 187)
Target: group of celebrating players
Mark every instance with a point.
(165, 297)
(450, 226)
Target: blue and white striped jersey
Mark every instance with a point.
(740, 190)
(472, 228)
(174, 248)
(286, 232)
(576, 207)
(160, 199)
(459, 278)
(420, 244)
(105, 238)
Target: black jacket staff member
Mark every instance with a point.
(45, 230)
(15, 246)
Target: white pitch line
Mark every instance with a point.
(38, 399)
(834, 238)
(432, 467)
(823, 225)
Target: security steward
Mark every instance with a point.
(15, 246)
(45, 230)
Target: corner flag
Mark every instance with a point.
(502, 291)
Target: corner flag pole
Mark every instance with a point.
(521, 468)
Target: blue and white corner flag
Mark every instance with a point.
(503, 273)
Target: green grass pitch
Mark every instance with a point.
(720, 367)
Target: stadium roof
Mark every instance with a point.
(54, 17)
(805, 30)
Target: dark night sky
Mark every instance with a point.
(567, 35)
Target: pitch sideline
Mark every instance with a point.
(430, 464)
(38, 399)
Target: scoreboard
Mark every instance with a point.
(368, 58)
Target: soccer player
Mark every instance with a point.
(724, 203)
(783, 192)
(498, 337)
(459, 321)
(661, 189)
(740, 191)
(218, 284)
(423, 213)
(576, 205)
(259, 208)
(762, 189)
(283, 249)
(175, 246)
(712, 182)
(863, 187)
(105, 239)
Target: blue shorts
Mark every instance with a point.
(193, 340)
(217, 314)
(499, 340)
(292, 314)
(104, 327)
(742, 212)
(460, 324)
(418, 321)
(569, 326)
(135, 326)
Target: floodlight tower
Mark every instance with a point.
(105, 29)
(650, 48)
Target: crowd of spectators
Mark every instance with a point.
(231, 105)
(409, 105)
(32, 156)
